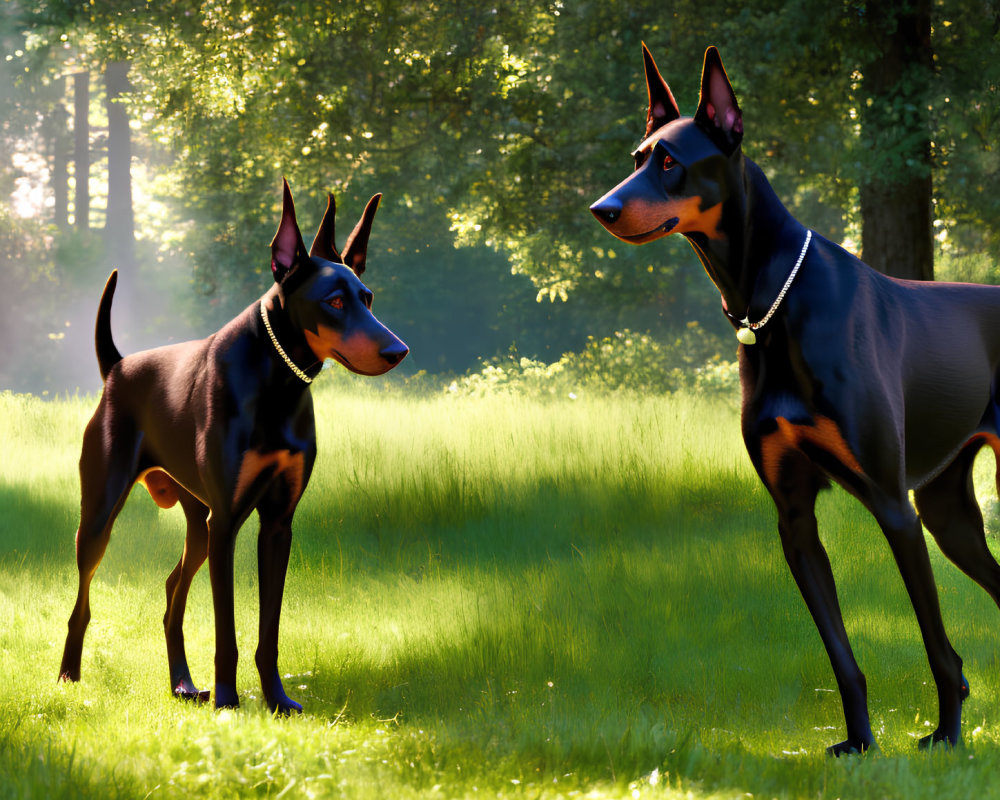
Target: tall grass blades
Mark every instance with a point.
(488, 595)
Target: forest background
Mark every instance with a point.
(153, 137)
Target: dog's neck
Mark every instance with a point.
(758, 244)
(290, 339)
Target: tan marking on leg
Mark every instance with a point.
(994, 443)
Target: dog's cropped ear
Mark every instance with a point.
(718, 111)
(356, 246)
(662, 106)
(287, 249)
(325, 245)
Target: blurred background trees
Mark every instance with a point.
(152, 137)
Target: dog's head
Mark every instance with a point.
(322, 293)
(680, 179)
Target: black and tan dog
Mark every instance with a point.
(879, 384)
(225, 425)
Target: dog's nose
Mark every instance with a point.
(607, 210)
(394, 353)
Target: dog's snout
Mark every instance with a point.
(394, 353)
(607, 209)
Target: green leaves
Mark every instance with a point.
(494, 127)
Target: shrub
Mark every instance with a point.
(625, 361)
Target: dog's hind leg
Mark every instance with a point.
(273, 547)
(794, 493)
(948, 508)
(905, 535)
(178, 585)
(106, 475)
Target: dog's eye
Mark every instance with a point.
(336, 302)
(668, 161)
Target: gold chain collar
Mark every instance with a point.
(281, 351)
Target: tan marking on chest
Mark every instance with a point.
(284, 463)
(822, 434)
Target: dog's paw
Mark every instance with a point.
(226, 696)
(285, 707)
(937, 738)
(274, 694)
(850, 747)
(191, 694)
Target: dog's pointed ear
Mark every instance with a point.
(287, 249)
(325, 245)
(662, 106)
(356, 246)
(718, 111)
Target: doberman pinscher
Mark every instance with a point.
(224, 426)
(881, 385)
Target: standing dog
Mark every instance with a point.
(225, 425)
(881, 385)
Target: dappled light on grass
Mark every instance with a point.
(493, 596)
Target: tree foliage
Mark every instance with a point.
(491, 128)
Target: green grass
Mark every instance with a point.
(492, 596)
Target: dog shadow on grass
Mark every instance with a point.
(572, 633)
(636, 644)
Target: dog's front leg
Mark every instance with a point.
(221, 546)
(273, 546)
(810, 567)
(795, 496)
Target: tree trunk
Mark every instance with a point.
(897, 235)
(119, 229)
(81, 150)
(60, 165)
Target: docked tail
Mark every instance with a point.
(107, 353)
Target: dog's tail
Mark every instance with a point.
(107, 353)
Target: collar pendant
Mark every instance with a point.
(745, 333)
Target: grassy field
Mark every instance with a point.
(488, 597)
